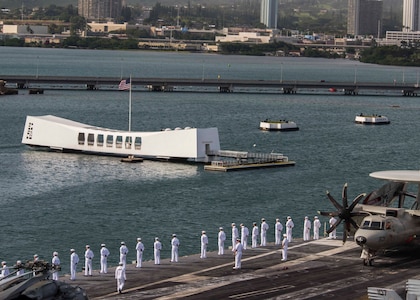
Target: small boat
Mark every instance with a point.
(371, 119)
(131, 159)
(278, 125)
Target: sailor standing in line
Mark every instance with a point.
(20, 268)
(333, 234)
(120, 277)
(306, 229)
(255, 234)
(104, 259)
(175, 248)
(74, 260)
(140, 250)
(285, 245)
(123, 254)
(264, 228)
(237, 251)
(88, 261)
(235, 234)
(221, 237)
(4, 270)
(204, 241)
(36, 258)
(279, 230)
(157, 246)
(244, 236)
(317, 226)
(289, 229)
(55, 262)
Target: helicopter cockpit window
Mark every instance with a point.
(373, 225)
(366, 224)
(376, 225)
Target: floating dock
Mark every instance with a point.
(229, 160)
(236, 166)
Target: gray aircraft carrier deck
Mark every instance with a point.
(323, 269)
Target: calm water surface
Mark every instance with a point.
(54, 202)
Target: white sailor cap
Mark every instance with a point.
(139, 239)
(35, 255)
(55, 253)
(122, 243)
(203, 232)
(173, 234)
(19, 262)
(289, 217)
(103, 245)
(238, 239)
(241, 225)
(220, 228)
(3, 262)
(72, 250)
(262, 219)
(316, 217)
(233, 224)
(277, 219)
(156, 239)
(87, 246)
(284, 234)
(306, 217)
(120, 264)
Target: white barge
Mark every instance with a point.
(278, 125)
(371, 119)
(59, 134)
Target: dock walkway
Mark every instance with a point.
(323, 269)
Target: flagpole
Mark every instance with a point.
(129, 108)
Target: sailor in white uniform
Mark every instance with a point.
(289, 229)
(104, 259)
(140, 250)
(20, 268)
(244, 236)
(175, 248)
(333, 234)
(285, 245)
(123, 254)
(55, 262)
(221, 237)
(204, 241)
(157, 246)
(88, 261)
(255, 234)
(74, 260)
(264, 228)
(317, 226)
(278, 233)
(235, 234)
(237, 251)
(4, 270)
(120, 277)
(306, 229)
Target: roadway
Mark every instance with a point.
(222, 84)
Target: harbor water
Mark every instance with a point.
(57, 201)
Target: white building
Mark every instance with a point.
(411, 15)
(246, 37)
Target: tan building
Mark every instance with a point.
(100, 9)
(25, 29)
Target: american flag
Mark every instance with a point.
(125, 84)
